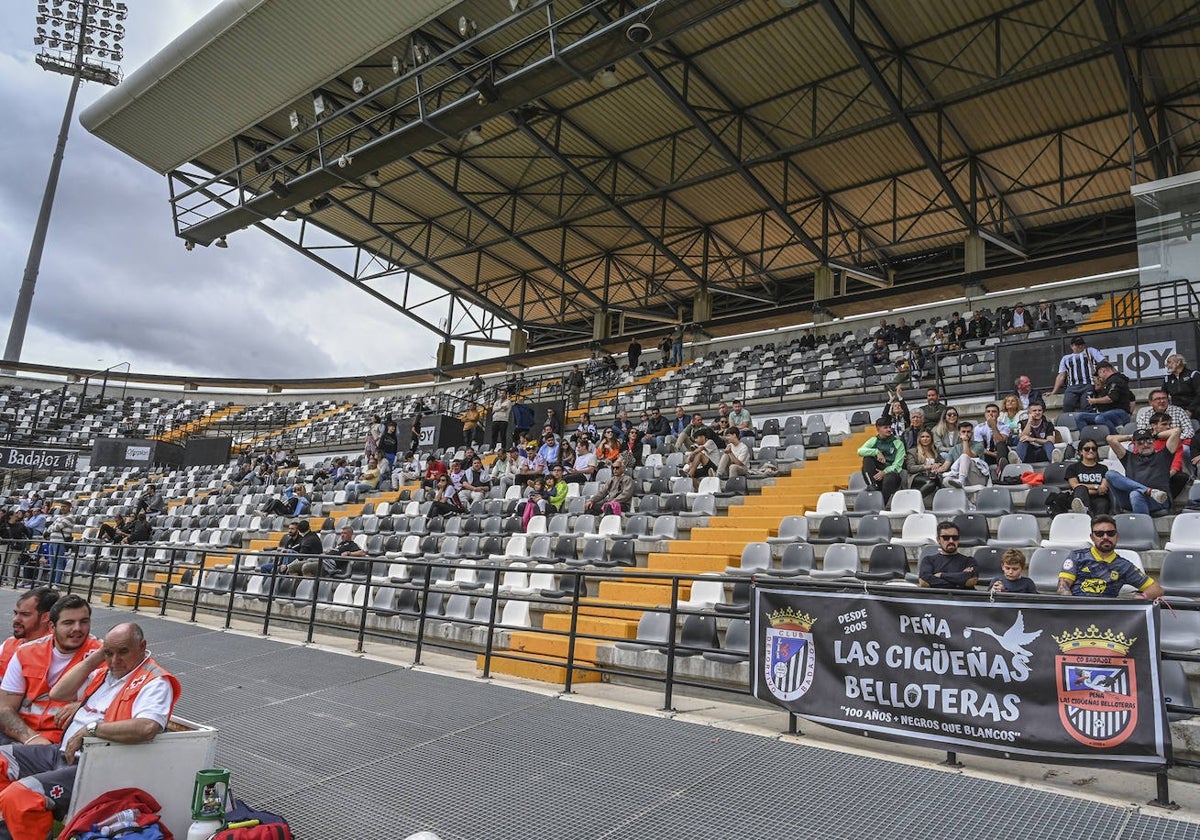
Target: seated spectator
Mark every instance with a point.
(334, 562)
(504, 467)
(408, 472)
(945, 431)
(585, 431)
(1160, 424)
(947, 569)
(550, 451)
(445, 498)
(556, 486)
(1044, 318)
(938, 341)
(885, 333)
(1183, 384)
(916, 423)
(631, 449)
(1160, 403)
(677, 424)
(1099, 572)
(1111, 400)
(616, 496)
(703, 458)
(152, 502)
(933, 407)
(735, 460)
(1018, 321)
(1144, 486)
(298, 541)
(925, 465)
(1035, 440)
(1013, 416)
(685, 440)
(140, 531)
(878, 355)
(115, 532)
(979, 327)
(368, 479)
(476, 481)
(553, 421)
(1015, 569)
(740, 419)
(808, 341)
(658, 430)
(993, 435)
(621, 426)
(529, 464)
(958, 338)
(883, 460)
(1088, 480)
(1025, 393)
(583, 468)
(967, 466)
(609, 448)
(954, 323)
(294, 503)
(433, 470)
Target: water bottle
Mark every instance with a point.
(128, 815)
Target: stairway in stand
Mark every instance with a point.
(597, 400)
(708, 549)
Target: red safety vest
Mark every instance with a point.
(37, 709)
(121, 707)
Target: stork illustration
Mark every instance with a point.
(1014, 639)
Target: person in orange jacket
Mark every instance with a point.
(27, 714)
(118, 694)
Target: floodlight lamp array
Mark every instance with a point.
(71, 32)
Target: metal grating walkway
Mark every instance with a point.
(349, 747)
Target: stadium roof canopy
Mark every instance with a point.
(542, 163)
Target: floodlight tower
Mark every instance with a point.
(80, 39)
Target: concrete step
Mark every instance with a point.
(648, 593)
(549, 644)
(553, 671)
(592, 625)
(691, 563)
(723, 548)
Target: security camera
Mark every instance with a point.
(638, 33)
(344, 161)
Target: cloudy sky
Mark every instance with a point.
(116, 285)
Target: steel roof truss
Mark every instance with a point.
(1133, 88)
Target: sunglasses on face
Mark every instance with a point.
(1088, 449)
(1104, 533)
(949, 537)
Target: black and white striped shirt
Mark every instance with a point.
(1080, 367)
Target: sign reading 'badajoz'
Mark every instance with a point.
(21, 457)
(1034, 680)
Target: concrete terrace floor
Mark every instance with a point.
(346, 744)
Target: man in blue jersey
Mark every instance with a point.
(1099, 572)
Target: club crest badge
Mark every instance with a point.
(1097, 686)
(789, 663)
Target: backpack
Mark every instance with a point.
(1060, 502)
(270, 826)
(262, 831)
